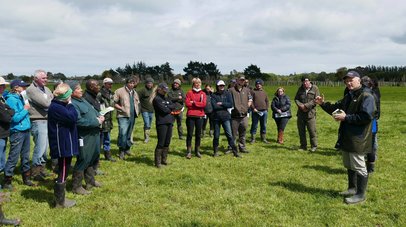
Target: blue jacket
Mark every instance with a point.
(62, 131)
(21, 118)
(220, 112)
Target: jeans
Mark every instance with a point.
(178, 119)
(262, 122)
(105, 140)
(147, 117)
(227, 131)
(39, 131)
(125, 128)
(19, 147)
(191, 122)
(3, 145)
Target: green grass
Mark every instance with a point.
(274, 185)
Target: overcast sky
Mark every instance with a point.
(85, 37)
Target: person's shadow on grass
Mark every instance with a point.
(298, 187)
(38, 195)
(326, 169)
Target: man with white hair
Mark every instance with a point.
(39, 97)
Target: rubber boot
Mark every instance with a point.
(216, 151)
(107, 156)
(146, 135)
(360, 196)
(60, 200)
(77, 187)
(158, 157)
(89, 178)
(121, 155)
(352, 183)
(370, 167)
(27, 179)
(7, 182)
(263, 138)
(189, 152)
(211, 133)
(165, 152)
(252, 140)
(235, 152)
(5, 221)
(197, 152)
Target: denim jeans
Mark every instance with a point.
(262, 122)
(227, 131)
(3, 145)
(147, 117)
(39, 131)
(105, 140)
(19, 146)
(125, 128)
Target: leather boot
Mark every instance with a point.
(280, 137)
(189, 152)
(77, 187)
(235, 152)
(352, 183)
(197, 152)
(27, 178)
(165, 152)
(7, 182)
(370, 167)
(43, 171)
(107, 156)
(158, 157)
(59, 194)
(252, 140)
(360, 196)
(36, 173)
(146, 135)
(216, 151)
(5, 221)
(263, 138)
(89, 178)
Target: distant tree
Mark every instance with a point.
(212, 71)
(10, 76)
(194, 69)
(340, 72)
(252, 72)
(59, 76)
(166, 72)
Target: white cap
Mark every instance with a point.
(107, 80)
(220, 82)
(3, 81)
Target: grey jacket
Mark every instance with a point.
(39, 101)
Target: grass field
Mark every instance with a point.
(274, 185)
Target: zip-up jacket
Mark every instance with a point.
(220, 112)
(21, 118)
(195, 109)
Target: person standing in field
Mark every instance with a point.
(164, 110)
(6, 113)
(221, 102)
(147, 110)
(355, 112)
(126, 102)
(281, 112)
(195, 102)
(88, 124)
(177, 96)
(63, 139)
(39, 97)
(242, 100)
(208, 111)
(105, 98)
(260, 105)
(306, 113)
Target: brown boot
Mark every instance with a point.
(77, 187)
(27, 179)
(89, 178)
(280, 137)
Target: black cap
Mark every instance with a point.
(19, 83)
(352, 74)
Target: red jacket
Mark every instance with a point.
(195, 109)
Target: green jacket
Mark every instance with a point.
(308, 100)
(87, 117)
(355, 132)
(146, 105)
(105, 98)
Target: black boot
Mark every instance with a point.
(165, 152)
(89, 178)
(27, 179)
(158, 157)
(216, 151)
(252, 140)
(7, 182)
(77, 187)
(235, 152)
(352, 183)
(189, 152)
(107, 156)
(197, 152)
(370, 167)
(59, 193)
(5, 221)
(360, 196)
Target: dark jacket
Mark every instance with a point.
(282, 103)
(105, 97)
(92, 99)
(146, 105)
(6, 113)
(208, 109)
(87, 117)
(220, 112)
(62, 131)
(308, 100)
(163, 108)
(355, 132)
(173, 96)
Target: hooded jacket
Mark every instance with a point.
(21, 118)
